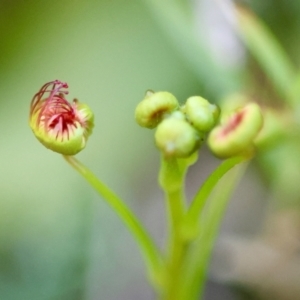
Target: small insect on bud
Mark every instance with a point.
(237, 132)
(201, 114)
(59, 125)
(175, 137)
(154, 107)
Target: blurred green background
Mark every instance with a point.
(58, 241)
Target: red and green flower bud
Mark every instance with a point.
(200, 113)
(175, 137)
(237, 132)
(59, 125)
(154, 108)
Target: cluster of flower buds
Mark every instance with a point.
(180, 129)
(59, 125)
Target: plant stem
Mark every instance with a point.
(151, 255)
(171, 179)
(209, 225)
(176, 252)
(203, 193)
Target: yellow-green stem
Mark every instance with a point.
(199, 201)
(199, 258)
(171, 179)
(148, 249)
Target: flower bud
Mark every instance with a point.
(237, 132)
(200, 113)
(59, 125)
(175, 137)
(155, 106)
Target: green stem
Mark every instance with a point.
(148, 249)
(176, 249)
(210, 224)
(171, 177)
(199, 201)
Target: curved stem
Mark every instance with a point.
(199, 200)
(210, 223)
(150, 252)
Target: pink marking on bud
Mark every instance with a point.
(232, 123)
(55, 113)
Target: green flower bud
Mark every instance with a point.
(175, 137)
(237, 132)
(200, 113)
(59, 125)
(155, 106)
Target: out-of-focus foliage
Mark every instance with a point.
(52, 247)
(57, 241)
(282, 17)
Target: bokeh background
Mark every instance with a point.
(58, 240)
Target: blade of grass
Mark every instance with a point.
(264, 46)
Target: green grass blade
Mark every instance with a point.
(264, 46)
